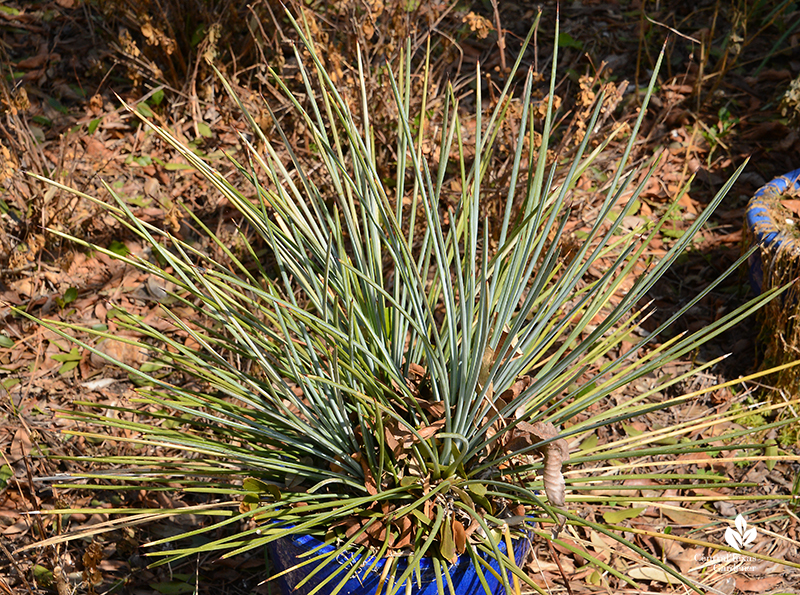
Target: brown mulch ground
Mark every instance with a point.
(716, 105)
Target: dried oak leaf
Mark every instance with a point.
(369, 479)
(393, 440)
(399, 437)
(405, 528)
(792, 205)
(377, 531)
(416, 373)
(516, 389)
(429, 431)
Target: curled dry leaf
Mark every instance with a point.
(555, 453)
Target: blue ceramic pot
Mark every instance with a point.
(761, 220)
(287, 552)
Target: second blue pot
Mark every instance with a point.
(762, 222)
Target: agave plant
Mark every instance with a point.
(400, 379)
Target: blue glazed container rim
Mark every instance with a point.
(462, 572)
(759, 212)
(426, 562)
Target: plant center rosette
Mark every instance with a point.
(392, 524)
